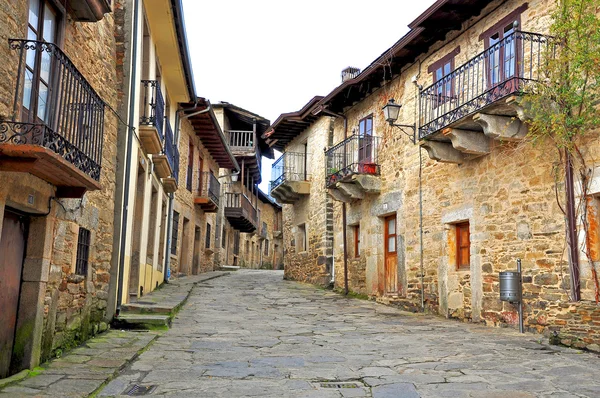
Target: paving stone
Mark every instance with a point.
(396, 390)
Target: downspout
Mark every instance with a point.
(421, 265)
(131, 121)
(344, 214)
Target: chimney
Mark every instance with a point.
(349, 73)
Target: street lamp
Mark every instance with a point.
(391, 111)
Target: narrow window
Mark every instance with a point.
(207, 245)
(224, 238)
(236, 243)
(502, 49)
(301, 246)
(190, 168)
(463, 246)
(174, 233)
(442, 77)
(365, 142)
(357, 241)
(266, 247)
(83, 252)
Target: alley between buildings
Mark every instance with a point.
(252, 334)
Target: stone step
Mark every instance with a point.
(229, 268)
(145, 308)
(142, 321)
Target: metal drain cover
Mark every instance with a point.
(340, 385)
(138, 390)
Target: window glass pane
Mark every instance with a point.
(45, 67)
(369, 126)
(49, 24)
(447, 69)
(391, 244)
(392, 226)
(34, 13)
(439, 74)
(27, 89)
(30, 59)
(42, 99)
(361, 127)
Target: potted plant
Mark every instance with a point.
(368, 168)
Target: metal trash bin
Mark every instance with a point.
(510, 286)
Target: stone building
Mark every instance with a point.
(156, 86)
(298, 177)
(263, 248)
(434, 207)
(199, 197)
(240, 213)
(58, 145)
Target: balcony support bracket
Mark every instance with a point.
(502, 128)
(340, 196)
(368, 183)
(351, 190)
(443, 152)
(468, 141)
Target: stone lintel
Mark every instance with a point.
(338, 195)
(352, 190)
(502, 128)
(468, 141)
(368, 183)
(443, 152)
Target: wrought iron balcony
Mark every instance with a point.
(357, 155)
(506, 68)
(57, 127)
(152, 117)
(289, 177)
(166, 164)
(208, 192)
(240, 213)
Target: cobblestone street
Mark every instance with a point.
(251, 334)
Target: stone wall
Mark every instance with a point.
(508, 197)
(72, 307)
(198, 258)
(313, 264)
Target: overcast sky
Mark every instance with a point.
(272, 56)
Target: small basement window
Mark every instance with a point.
(83, 252)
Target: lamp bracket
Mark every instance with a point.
(404, 127)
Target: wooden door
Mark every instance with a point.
(391, 256)
(12, 254)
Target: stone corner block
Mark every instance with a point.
(503, 128)
(368, 183)
(443, 152)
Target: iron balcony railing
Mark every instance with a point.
(153, 106)
(357, 154)
(291, 166)
(55, 107)
(505, 68)
(171, 150)
(209, 187)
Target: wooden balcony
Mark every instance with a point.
(479, 101)
(57, 131)
(206, 194)
(240, 213)
(352, 168)
(152, 117)
(243, 145)
(290, 179)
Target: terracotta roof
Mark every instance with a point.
(289, 125)
(208, 130)
(431, 26)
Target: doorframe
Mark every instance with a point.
(386, 236)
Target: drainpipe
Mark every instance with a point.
(344, 214)
(131, 121)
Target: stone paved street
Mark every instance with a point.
(251, 334)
